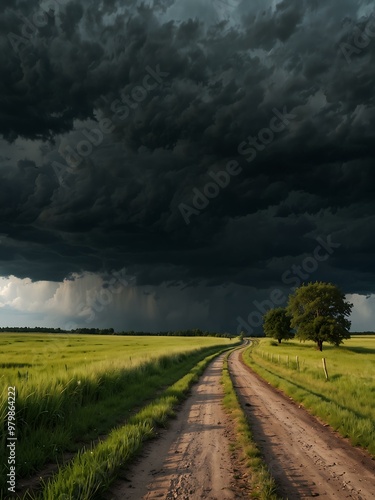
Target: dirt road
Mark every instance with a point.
(192, 459)
(306, 458)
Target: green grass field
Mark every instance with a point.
(73, 389)
(346, 400)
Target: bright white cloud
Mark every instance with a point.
(94, 301)
(82, 299)
(25, 295)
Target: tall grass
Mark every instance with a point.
(60, 408)
(345, 401)
(92, 471)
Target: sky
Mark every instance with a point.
(173, 164)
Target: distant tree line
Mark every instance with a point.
(29, 329)
(42, 329)
(94, 331)
(195, 332)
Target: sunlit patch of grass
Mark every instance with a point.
(345, 401)
(91, 472)
(66, 402)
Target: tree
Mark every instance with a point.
(318, 311)
(276, 324)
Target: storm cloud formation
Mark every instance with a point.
(117, 117)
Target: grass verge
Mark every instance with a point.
(91, 472)
(262, 484)
(345, 401)
(60, 412)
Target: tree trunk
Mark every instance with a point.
(320, 345)
(279, 341)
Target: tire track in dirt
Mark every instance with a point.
(191, 460)
(305, 457)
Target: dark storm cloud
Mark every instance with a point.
(120, 206)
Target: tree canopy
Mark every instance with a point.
(318, 311)
(276, 324)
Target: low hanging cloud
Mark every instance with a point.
(92, 301)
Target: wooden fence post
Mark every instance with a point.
(297, 362)
(325, 368)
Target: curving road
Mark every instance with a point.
(192, 460)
